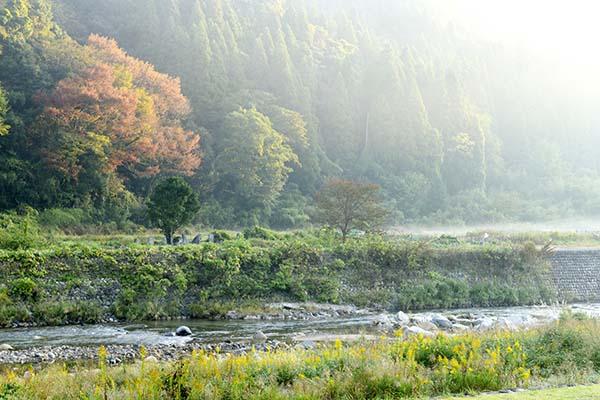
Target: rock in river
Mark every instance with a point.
(183, 331)
(259, 337)
(5, 346)
(415, 330)
(441, 322)
(402, 318)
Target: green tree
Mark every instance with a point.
(3, 111)
(347, 205)
(172, 205)
(252, 162)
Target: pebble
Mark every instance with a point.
(118, 353)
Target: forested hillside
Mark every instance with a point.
(258, 102)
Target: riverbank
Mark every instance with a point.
(85, 284)
(588, 392)
(393, 367)
(72, 343)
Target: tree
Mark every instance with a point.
(172, 205)
(118, 116)
(3, 111)
(252, 162)
(347, 205)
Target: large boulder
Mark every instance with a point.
(4, 347)
(415, 330)
(484, 324)
(459, 327)
(384, 321)
(441, 322)
(259, 337)
(427, 325)
(183, 331)
(401, 318)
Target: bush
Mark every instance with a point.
(71, 220)
(19, 232)
(261, 233)
(221, 236)
(25, 289)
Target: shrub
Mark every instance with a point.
(221, 236)
(18, 232)
(261, 233)
(25, 289)
(67, 220)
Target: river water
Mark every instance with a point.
(156, 333)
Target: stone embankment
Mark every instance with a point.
(575, 274)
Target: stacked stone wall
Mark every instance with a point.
(576, 274)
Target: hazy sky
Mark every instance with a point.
(566, 28)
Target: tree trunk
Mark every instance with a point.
(169, 237)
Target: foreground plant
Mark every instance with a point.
(389, 368)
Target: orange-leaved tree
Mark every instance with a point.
(116, 115)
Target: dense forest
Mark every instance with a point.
(257, 103)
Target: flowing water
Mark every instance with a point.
(154, 333)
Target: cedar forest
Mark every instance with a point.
(257, 103)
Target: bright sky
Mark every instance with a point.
(566, 28)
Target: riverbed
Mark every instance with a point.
(157, 333)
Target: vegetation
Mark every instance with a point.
(347, 205)
(391, 368)
(589, 392)
(81, 281)
(285, 95)
(172, 205)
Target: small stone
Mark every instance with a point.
(151, 360)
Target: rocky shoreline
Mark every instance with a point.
(117, 354)
(426, 324)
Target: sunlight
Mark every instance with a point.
(558, 27)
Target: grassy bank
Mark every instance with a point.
(84, 282)
(390, 368)
(569, 393)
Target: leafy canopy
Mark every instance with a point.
(347, 205)
(172, 205)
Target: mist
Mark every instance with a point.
(463, 112)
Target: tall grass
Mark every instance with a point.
(389, 368)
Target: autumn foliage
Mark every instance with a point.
(116, 115)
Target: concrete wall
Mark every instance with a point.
(576, 274)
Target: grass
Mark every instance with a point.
(569, 393)
(393, 367)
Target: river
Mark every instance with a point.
(156, 333)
